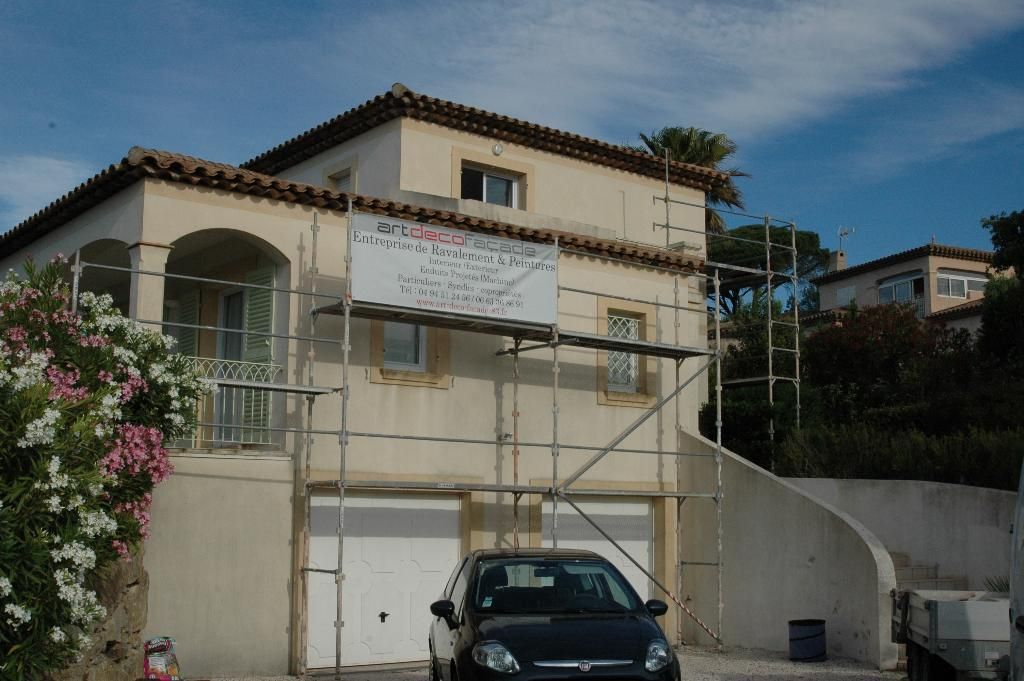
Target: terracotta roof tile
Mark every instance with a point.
(141, 163)
(968, 309)
(401, 102)
(972, 254)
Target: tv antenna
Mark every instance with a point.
(845, 233)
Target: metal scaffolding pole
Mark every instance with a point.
(515, 442)
(718, 451)
(346, 347)
(796, 322)
(771, 365)
(554, 414)
(306, 491)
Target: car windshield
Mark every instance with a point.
(533, 585)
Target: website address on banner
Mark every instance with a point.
(466, 308)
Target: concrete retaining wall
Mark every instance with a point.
(786, 555)
(963, 530)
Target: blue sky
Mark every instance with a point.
(902, 119)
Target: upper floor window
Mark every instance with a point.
(957, 286)
(405, 347)
(342, 180)
(490, 187)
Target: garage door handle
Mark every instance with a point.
(383, 616)
(1018, 624)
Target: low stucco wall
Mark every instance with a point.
(786, 555)
(963, 530)
(219, 561)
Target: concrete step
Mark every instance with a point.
(936, 583)
(899, 559)
(911, 572)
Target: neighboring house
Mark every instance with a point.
(223, 257)
(943, 283)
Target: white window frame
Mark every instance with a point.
(892, 285)
(966, 282)
(485, 172)
(421, 335)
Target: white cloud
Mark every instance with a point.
(748, 69)
(30, 183)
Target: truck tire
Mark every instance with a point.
(917, 662)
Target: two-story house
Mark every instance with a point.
(943, 283)
(233, 265)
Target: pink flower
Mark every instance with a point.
(140, 511)
(132, 386)
(93, 341)
(63, 385)
(105, 376)
(122, 550)
(137, 450)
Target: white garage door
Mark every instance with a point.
(400, 550)
(630, 522)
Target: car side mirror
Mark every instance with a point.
(655, 607)
(445, 610)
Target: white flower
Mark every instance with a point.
(57, 635)
(96, 523)
(18, 615)
(95, 489)
(5, 587)
(53, 504)
(80, 555)
(31, 372)
(84, 606)
(41, 431)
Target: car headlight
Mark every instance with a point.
(658, 656)
(495, 656)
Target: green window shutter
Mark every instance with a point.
(259, 316)
(188, 313)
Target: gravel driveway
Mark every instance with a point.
(699, 664)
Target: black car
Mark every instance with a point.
(545, 614)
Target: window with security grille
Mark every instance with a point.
(623, 367)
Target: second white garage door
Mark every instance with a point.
(629, 521)
(400, 550)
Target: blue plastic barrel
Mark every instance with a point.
(807, 640)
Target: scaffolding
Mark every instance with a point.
(522, 338)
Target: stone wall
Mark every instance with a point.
(116, 652)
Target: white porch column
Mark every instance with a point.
(147, 291)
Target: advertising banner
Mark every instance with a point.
(409, 264)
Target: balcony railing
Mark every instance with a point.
(240, 412)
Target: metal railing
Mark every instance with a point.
(235, 415)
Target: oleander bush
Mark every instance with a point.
(87, 400)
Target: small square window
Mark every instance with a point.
(342, 180)
(405, 347)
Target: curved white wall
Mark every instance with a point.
(963, 530)
(786, 555)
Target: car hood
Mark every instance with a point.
(571, 636)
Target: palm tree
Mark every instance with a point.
(703, 148)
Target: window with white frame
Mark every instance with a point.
(489, 186)
(901, 291)
(957, 285)
(623, 367)
(405, 346)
